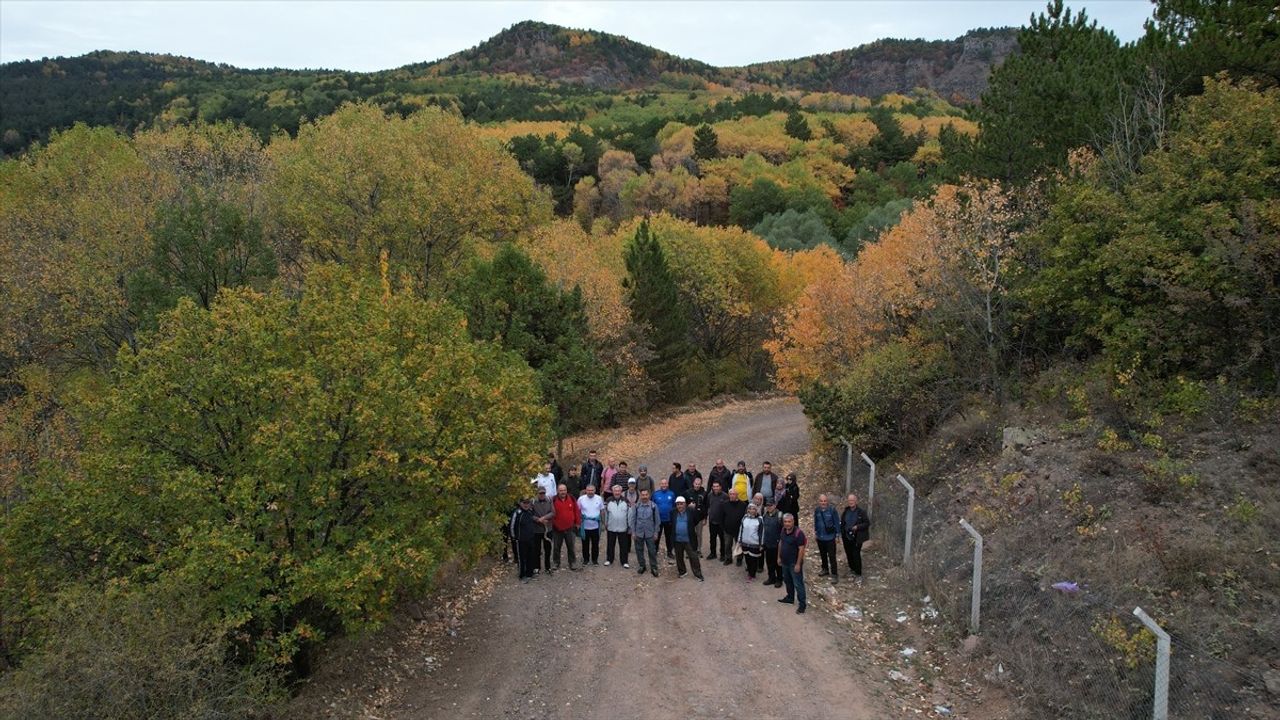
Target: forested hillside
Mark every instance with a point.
(253, 323)
(530, 71)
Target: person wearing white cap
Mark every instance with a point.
(684, 523)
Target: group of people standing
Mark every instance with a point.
(752, 520)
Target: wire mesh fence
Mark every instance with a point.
(1072, 651)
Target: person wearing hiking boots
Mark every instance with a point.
(617, 514)
(678, 482)
(666, 502)
(684, 522)
(741, 481)
(791, 557)
(720, 474)
(715, 501)
(772, 521)
(523, 528)
(644, 482)
(855, 528)
(544, 512)
(734, 511)
(751, 538)
(826, 528)
(564, 526)
(765, 483)
(645, 526)
(592, 473)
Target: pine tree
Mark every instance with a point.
(655, 304)
(797, 127)
(706, 146)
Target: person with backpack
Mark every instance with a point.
(715, 520)
(791, 548)
(751, 538)
(564, 526)
(645, 526)
(734, 511)
(855, 528)
(591, 507)
(772, 522)
(826, 528)
(666, 502)
(523, 528)
(617, 520)
(684, 523)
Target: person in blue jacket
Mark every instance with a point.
(826, 528)
(665, 499)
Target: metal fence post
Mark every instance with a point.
(871, 484)
(848, 466)
(975, 603)
(1160, 704)
(911, 512)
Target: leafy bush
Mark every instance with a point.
(138, 653)
(303, 462)
(794, 230)
(890, 395)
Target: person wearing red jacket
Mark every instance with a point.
(564, 525)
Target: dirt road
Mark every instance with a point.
(609, 643)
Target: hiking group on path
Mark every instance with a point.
(751, 520)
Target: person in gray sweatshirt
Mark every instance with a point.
(645, 526)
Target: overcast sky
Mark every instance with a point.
(380, 35)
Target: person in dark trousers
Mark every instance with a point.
(678, 481)
(544, 512)
(791, 557)
(616, 519)
(826, 528)
(592, 473)
(666, 502)
(720, 474)
(697, 498)
(715, 518)
(645, 527)
(685, 521)
(564, 526)
(751, 538)
(855, 528)
(772, 534)
(574, 482)
(734, 511)
(790, 500)
(524, 528)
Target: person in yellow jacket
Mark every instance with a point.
(741, 480)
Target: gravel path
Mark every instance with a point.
(608, 643)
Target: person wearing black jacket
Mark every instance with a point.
(593, 474)
(720, 474)
(790, 500)
(855, 527)
(677, 481)
(715, 501)
(524, 528)
(734, 510)
(556, 471)
(691, 473)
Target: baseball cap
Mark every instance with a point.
(680, 499)
(631, 481)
